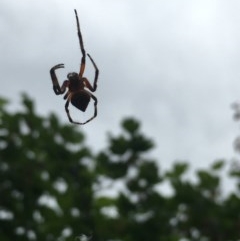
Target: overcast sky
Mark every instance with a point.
(174, 65)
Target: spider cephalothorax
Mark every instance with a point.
(72, 76)
(76, 84)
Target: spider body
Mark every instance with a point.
(77, 84)
(80, 97)
(80, 100)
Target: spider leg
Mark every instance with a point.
(67, 111)
(88, 85)
(81, 123)
(95, 109)
(56, 87)
(83, 61)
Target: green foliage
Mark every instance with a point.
(52, 187)
(37, 163)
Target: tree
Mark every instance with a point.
(138, 204)
(53, 187)
(45, 177)
(195, 211)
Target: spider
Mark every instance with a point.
(76, 84)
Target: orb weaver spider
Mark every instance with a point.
(76, 84)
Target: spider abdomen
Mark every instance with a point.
(80, 100)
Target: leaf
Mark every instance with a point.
(130, 125)
(218, 165)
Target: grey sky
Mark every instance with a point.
(174, 65)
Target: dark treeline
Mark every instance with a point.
(51, 187)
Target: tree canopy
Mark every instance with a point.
(54, 187)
